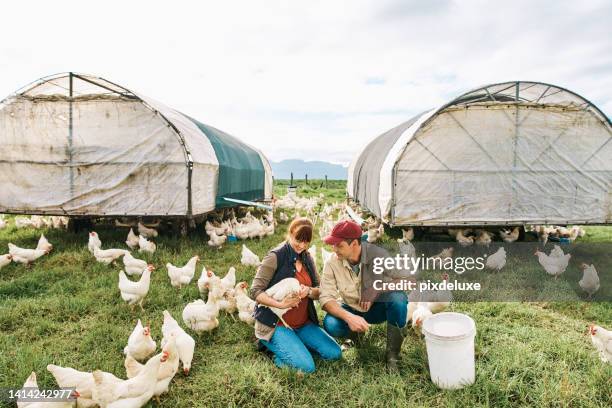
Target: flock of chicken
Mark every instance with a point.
(150, 376)
(144, 381)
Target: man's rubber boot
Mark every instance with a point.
(395, 338)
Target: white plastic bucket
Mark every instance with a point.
(449, 338)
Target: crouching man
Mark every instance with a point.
(348, 276)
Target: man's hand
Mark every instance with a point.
(365, 306)
(357, 324)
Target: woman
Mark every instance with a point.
(291, 346)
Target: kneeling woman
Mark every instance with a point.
(292, 345)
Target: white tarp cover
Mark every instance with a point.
(119, 168)
(547, 159)
(121, 157)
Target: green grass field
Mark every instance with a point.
(66, 310)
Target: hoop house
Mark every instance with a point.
(76, 144)
(504, 154)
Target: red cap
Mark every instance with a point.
(343, 230)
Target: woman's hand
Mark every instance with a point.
(289, 301)
(304, 290)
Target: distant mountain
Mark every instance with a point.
(314, 169)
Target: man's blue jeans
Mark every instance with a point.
(390, 307)
(291, 347)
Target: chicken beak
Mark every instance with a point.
(185, 371)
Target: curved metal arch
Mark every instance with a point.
(603, 116)
(604, 119)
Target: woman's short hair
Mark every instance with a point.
(300, 229)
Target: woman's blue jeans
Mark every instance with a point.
(291, 347)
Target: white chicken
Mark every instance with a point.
(94, 241)
(325, 255)
(241, 231)
(245, 305)
(132, 265)
(23, 222)
(227, 302)
(200, 316)
(133, 392)
(108, 256)
(81, 381)
(140, 345)
(37, 221)
(554, 266)
(269, 229)
(184, 342)
(222, 290)
(446, 253)
(146, 245)
(463, 239)
(436, 301)
(3, 224)
(216, 241)
(167, 369)
(279, 291)
(509, 235)
(203, 282)
(135, 292)
(556, 252)
(283, 217)
(484, 238)
(216, 228)
(31, 383)
(180, 276)
(5, 260)
(248, 257)
(590, 280)
(132, 240)
(406, 248)
(59, 222)
(24, 255)
(146, 232)
(44, 244)
(228, 282)
(602, 340)
(408, 234)
(374, 233)
(420, 313)
(497, 260)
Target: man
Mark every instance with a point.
(348, 276)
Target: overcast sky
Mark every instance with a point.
(314, 80)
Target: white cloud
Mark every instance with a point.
(317, 79)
